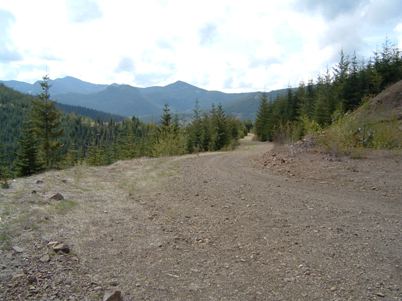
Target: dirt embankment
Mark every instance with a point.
(257, 223)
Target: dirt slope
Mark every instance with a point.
(218, 226)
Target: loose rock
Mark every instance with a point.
(45, 258)
(113, 296)
(32, 279)
(60, 247)
(57, 197)
(18, 249)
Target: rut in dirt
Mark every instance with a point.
(221, 229)
(217, 226)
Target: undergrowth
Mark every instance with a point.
(352, 135)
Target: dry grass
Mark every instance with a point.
(376, 124)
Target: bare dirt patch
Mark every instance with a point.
(235, 225)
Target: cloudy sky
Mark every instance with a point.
(229, 45)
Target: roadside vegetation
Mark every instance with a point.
(336, 107)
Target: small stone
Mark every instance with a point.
(45, 258)
(18, 276)
(39, 182)
(113, 296)
(32, 279)
(98, 288)
(18, 249)
(333, 289)
(373, 188)
(114, 283)
(60, 247)
(379, 294)
(57, 197)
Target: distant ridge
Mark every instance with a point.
(126, 100)
(77, 110)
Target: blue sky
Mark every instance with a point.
(228, 45)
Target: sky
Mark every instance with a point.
(226, 45)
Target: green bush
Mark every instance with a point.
(350, 135)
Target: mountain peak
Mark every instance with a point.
(69, 78)
(181, 84)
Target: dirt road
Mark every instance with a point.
(213, 226)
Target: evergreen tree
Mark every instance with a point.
(219, 127)
(206, 132)
(194, 141)
(322, 112)
(352, 87)
(262, 122)
(170, 139)
(47, 124)
(166, 119)
(4, 169)
(307, 106)
(292, 105)
(341, 70)
(388, 64)
(28, 160)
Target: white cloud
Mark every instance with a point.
(83, 10)
(229, 45)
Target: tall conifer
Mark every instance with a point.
(46, 121)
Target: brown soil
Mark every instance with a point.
(258, 223)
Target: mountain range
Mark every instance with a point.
(145, 103)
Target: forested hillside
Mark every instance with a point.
(318, 104)
(145, 103)
(36, 136)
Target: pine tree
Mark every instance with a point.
(308, 102)
(219, 127)
(28, 161)
(169, 140)
(292, 107)
(206, 127)
(4, 170)
(166, 119)
(322, 114)
(46, 122)
(262, 122)
(352, 88)
(194, 141)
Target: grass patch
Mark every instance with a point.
(62, 207)
(352, 134)
(5, 238)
